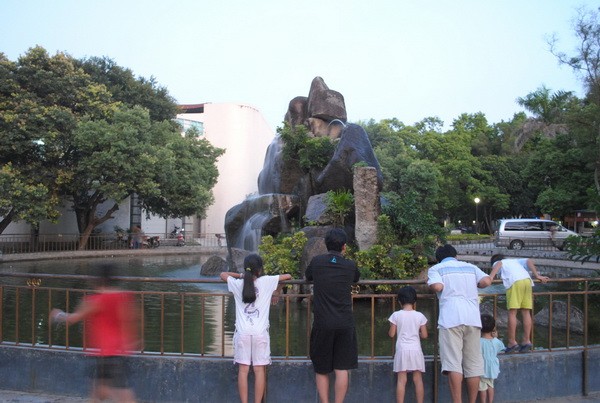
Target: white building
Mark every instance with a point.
(239, 129)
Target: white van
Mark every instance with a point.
(516, 233)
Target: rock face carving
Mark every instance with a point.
(285, 188)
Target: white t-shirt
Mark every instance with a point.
(253, 318)
(513, 270)
(459, 302)
(408, 324)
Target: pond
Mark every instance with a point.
(209, 311)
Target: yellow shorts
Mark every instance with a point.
(520, 295)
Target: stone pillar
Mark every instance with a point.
(366, 205)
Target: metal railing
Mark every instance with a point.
(18, 243)
(199, 323)
(507, 244)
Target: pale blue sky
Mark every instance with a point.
(408, 59)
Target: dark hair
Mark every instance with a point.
(488, 323)
(253, 267)
(496, 258)
(445, 251)
(335, 239)
(407, 295)
(104, 275)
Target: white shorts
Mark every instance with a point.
(252, 349)
(485, 384)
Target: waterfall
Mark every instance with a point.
(269, 179)
(249, 236)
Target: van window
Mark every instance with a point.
(523, 226)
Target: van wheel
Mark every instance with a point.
(518, 245)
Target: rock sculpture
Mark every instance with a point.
(285, 188)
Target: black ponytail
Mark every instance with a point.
(253, 267)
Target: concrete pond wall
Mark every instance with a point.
(189, 379)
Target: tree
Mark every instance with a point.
(91, 132)
(41, 98)
(585, 61)
(130, 154)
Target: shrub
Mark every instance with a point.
(310, 152)
(339, 205)
(282, 255)
(387, 263)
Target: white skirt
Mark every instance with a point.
(409, 360)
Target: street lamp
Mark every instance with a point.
(476, 200)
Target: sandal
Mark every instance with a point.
(512, 349)
(525, 348)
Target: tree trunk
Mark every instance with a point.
(93, 222)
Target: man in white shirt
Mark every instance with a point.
(459, 321)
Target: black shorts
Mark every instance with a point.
(333, 349)
(111, 371)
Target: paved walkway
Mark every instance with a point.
(8, 396)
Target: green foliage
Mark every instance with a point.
(386, 260)
(388, 263)
(89, 131)
(386, 235)
(23, 199)
(339, 205)
(583, 248)
(412, 223)
(282, 256)
(310, 152)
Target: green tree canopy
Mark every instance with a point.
(88, 131)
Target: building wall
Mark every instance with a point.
(245, 135)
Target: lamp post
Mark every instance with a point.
(476, 200)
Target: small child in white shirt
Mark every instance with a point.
(410, 326)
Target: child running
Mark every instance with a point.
(490, 347)
(252, 292)
(409, 325)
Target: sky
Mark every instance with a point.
(404, 59)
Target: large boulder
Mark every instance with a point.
(316, 210)
(560, 312)
(214, 266)
(324, 103)
(354, 147)
(280, 176)
(323, 128)
(262, 215)
(297, 112)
